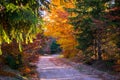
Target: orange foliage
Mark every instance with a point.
(25, 70)
(57, 26)
(67, 4)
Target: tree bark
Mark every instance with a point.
(99, 47)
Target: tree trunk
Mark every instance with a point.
(95, 48)
(99, 48)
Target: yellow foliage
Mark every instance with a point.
(67, 4)
(57, 26)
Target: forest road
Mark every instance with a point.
(52, 68)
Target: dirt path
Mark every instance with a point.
(51, 68)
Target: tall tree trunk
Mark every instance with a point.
(95, 47)
(99, 51)
(99, 45)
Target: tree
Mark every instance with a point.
(91, 26)
(57, 26)
(19, 20)
(54, 47)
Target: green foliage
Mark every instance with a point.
(85, 38)
(14, 62)
(19, 20)
(92, 24)
(54, 47)
(85, 10)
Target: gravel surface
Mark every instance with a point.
(85, 69)
(52, 68)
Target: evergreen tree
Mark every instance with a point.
(54, 47)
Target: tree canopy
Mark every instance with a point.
(93, 27)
